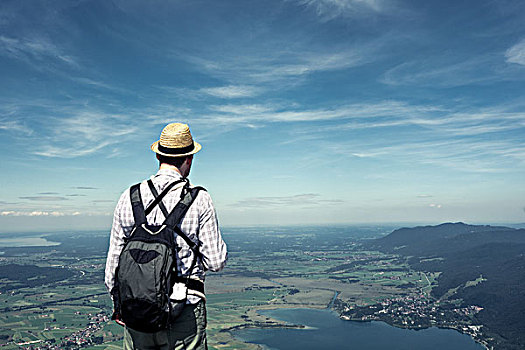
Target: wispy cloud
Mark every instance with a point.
(232, 91)
(60, 152)
(99, 85)
(465, 155)
(306, 199)
(452, 137)
(240, 114)
(307, 64)
(244, 109)
(33, 51)
(84, 133)
(446, 71)
(330, 9)
(45, 198)
(516, 54)
(384, 114)
(446, 138)
(84, 188)
(38, 213)
(162, 114)
(12, 125)
(68, 129)
(281, 68)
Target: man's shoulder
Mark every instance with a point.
(125, 196)
(199, 188)
(203, 197)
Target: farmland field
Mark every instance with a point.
(60, 300)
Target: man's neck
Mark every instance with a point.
(169, 167)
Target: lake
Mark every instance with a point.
(328, 331)
(26, 242)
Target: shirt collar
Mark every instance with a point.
(168, 172)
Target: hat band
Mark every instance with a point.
(182, 150)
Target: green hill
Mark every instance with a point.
(479, 265)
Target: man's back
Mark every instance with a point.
(199, 224)
(175, 151)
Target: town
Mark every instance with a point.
(416, 311)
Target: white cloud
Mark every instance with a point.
(304, 63)
(306, 199)
(44, 198)
(465, 155)
(33, 213)
(34, 50)
(443, 72)
(8, 124)
(61, 152)
(427, 135)
(232, 91)
(243, 109)
(437, 121)
(446, 138)
(84, 133)
(99, 84)
(281, 68)
(330, 9)
(255, 113)
(516, 54)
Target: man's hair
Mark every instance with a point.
(175, 161)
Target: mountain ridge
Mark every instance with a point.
(492, 255)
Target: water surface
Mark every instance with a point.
(26, 242)
(328, 331)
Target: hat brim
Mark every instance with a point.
(155, 148)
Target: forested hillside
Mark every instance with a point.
(479, 265)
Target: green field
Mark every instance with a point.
(274, 269)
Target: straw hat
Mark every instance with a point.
(176, 141)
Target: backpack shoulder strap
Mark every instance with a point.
(188, 196)
(159, 197)
(155, 196)
(136, 204)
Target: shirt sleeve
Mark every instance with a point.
(116, 244)
(212, 246)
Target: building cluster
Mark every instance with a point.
(89, 266)
(76, 340)
(417, 311)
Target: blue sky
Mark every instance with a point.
(309, 111)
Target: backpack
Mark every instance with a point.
(147, 268)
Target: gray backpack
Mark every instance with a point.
(147, 269)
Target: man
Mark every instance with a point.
(175, 151)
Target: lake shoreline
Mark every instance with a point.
(417, 328)
(276, 323)
(32, 241)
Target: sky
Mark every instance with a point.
(309, 111)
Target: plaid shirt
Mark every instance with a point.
(200, 225)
